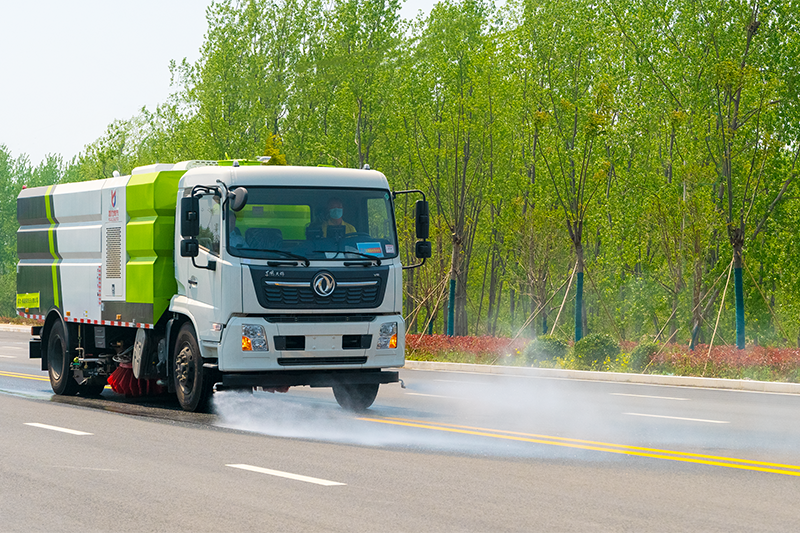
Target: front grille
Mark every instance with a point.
(296, 319)
(292, 288)
(277, 295)
(306, 361)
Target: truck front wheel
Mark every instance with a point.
(58, 362)
(192, 382)
(355, 397)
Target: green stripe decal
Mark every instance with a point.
(51, 236)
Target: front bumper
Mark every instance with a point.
(295, 378)
(323, 346)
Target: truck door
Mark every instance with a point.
(204, 286)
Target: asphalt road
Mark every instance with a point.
(451, 452)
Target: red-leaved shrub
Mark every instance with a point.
(485, 347)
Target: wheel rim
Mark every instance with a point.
(55, 357)
(184, 369)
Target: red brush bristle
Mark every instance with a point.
(123, 382)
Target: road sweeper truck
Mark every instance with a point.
(204, 275)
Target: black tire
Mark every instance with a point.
(193, 383)
(356, 397)
(58, 362)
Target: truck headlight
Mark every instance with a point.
(254, 338)
(388, 337)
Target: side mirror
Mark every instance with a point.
(190, 219)
(423, 249)
(423, 221)
(238, 198)
(189, 248)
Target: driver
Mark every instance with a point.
(335, 214)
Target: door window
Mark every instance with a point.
(209, 223)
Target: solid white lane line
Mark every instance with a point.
(56, 428)
(655, 397)
(8, 356)
(287, 475)
(431, 395)
(680, 418)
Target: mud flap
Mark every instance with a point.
(35, 351)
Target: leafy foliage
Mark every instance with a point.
(642, 355)
(545, 348)
(644, 142)
(592, 351)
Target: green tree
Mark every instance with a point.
(448, 124)
(575, 100)
(715, 64)
(16, 173)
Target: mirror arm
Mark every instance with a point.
(409, 191)
(212, 265)
(416, 265)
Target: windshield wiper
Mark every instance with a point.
(337, 252)
(282, 252)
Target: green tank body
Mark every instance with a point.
(115, 235)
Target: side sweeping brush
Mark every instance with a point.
(122, 381)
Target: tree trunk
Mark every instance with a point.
(579, 294)
(411, 302)
(737, 280)
(497, 307)
(697, 290)
(455, 263)
(512, 300)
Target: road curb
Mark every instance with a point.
(14, 327)
(618, 377)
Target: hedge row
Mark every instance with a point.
(602, 352)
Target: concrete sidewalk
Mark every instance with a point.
(648, 379)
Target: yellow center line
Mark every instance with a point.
(729, 462)
(604, 444)
(23, 376)
(30, 376)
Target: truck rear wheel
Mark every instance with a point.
(58, 362)
(355, 397)
(192, 382)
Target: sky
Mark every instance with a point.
(68, 68)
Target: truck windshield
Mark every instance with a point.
(313, 222)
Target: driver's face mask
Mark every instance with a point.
(337, 212)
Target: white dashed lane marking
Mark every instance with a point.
(653, 397)
(56, 428)
(287, 475)
(679, 418)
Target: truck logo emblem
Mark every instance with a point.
(324, 284)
